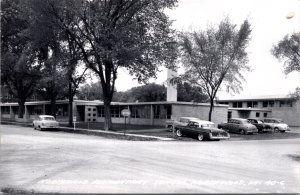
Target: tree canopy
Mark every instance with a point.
(288, 50)
(133, 34)
(215, 56)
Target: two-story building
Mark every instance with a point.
(277, 106)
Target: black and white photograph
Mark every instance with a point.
(150, 97)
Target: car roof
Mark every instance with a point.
(45, 116)
(190, 118)
(241, 119)
(202, 121)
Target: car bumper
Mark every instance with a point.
(219, 136)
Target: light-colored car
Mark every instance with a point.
(238, 125)
(183, 121)
(204, 130)
(45, 122)
(277, 124)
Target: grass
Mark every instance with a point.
(115, 127)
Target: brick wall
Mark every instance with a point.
(200, 111)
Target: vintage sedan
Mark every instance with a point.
(203, 130)
(45, 122)
(260, 125)
(183, 121)
(277, 124)
(238, 125)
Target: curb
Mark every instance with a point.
(97, 132)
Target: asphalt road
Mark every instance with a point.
(72, 163)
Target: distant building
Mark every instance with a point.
(278, 106)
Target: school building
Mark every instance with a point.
(143, 113)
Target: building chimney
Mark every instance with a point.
(171, 88)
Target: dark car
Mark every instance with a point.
(238, 125)
(260, 125)
(203, 130)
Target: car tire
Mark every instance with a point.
(200, 137)
(242, 132)
(178, 133)
(276, 129)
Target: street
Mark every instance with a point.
(54, 161)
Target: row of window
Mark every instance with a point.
(265, 104)
(142, 111)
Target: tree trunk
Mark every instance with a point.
(70, 105)
(21, 109)
(211, 108)
(53, 106)
(107, 113)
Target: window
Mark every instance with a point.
(249, 104)
(101, 111)
(234, 104)
(265, 114)
(229, 115)
(240, 104)
(254, 104)
(281, 103)
(257, 114)
(271, 103)
(265, 104)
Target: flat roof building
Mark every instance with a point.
(143, 113)
(284, 107)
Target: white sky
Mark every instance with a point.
(269, 25)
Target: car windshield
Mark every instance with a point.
(279, 121)
(259, 122)
(48, 118)
(245, 121)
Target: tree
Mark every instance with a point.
(133, 34)
(215, 56)
(19, 70)
(189, 93)
(90, 92)
(59, 55)
(148, 93)
(288, 50)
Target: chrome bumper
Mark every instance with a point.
(219, 136)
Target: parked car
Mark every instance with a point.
(45, 122)
(277, 124)
(204, 130)
(238, 125)
(183, 121)
(260, 125)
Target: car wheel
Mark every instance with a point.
(171, 128)
(276, 129)
(242, 132)
(282, 131)
(200, 137)
(178, 133)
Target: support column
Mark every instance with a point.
(152, 115)
(44, 109)
(11, 112)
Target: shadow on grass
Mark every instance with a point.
(13, 190)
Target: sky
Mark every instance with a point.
(269, 25)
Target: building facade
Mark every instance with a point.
(283, 107)
(142, 113)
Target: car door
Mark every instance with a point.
(236, 126)
(190, 128)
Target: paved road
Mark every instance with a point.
(69, 163)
